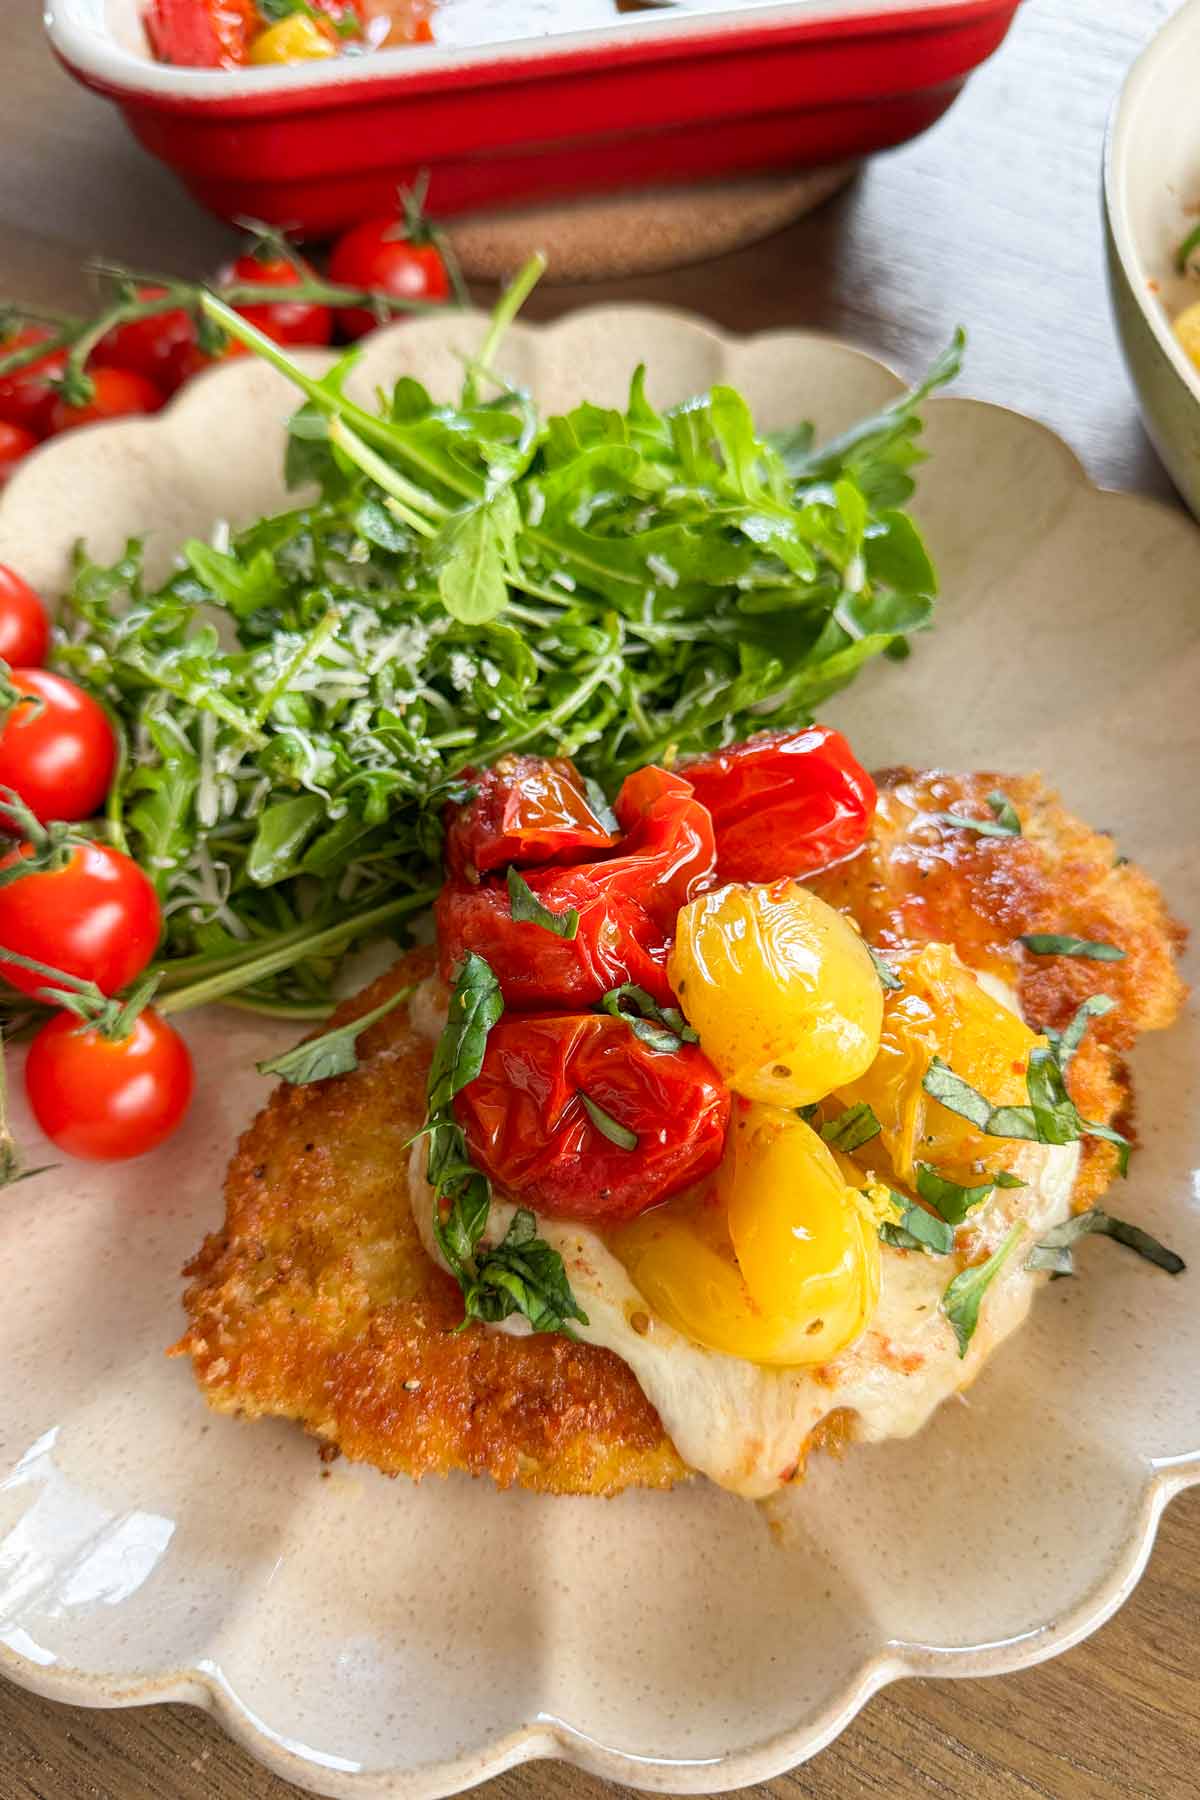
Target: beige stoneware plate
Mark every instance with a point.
(372, 1638)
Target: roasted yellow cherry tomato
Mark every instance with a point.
(295, 39)
(779, 1264)
(1187, 330)
(942, 1010)
(780, 989)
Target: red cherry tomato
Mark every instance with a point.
(97, 917)
(162, 348)
(784, 803)
(627, 905)
(117, 393)
(528, 809)
(58, 753)
(286, 321)
(409, 21)
(104, 1099)
(24, 627)
(528, 1129)
(15, 445)
(202, 34)
(26, 396)
(378, 254)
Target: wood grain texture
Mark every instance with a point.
(992, 219)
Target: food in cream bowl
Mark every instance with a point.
(1151, 206)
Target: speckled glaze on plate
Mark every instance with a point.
(372, 1638)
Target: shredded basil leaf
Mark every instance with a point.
(606, 1125)
(852, 1128)
(662, 1028)
(962, 1298)
(598, 802)
(948, 1198)
(1004, 1179)
(522, 1274)
(1187, 248)
(1050, 1118)
(1054, 1251)
(917, 1229)
(888, 977)
(334, 1052)
(1047, 943)
(1003, 823)
(527, 909)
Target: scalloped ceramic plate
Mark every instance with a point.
(373, 1638)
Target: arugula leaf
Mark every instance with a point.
(606, 1125)
(663, 1028)
(888, 978)
(961, 1300)
(1047, 943)
(852, 1128)
(1054, 1251)
(948, 1198)
(334, 1052)
(473, 557)
(527, 909)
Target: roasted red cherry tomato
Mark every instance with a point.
(201, 34)
(627, 905)
(527, 810)
(57, 748)
(409, 21)
(529, 1130)
(116, 394)
(104, 1098)
(97, 917)
(286, 321)
(24, 627)
(26, 396)
(379, 254)
(784, 803)
(15, 445)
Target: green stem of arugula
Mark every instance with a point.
(294, 947)
(298, 1011)
(317, 638)
(505, 311)
(406, 500)
(604, 671)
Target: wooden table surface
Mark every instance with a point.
(993, 219)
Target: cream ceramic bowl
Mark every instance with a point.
(1151, 202)
(368, 1638)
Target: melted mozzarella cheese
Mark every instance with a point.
(746, 1426)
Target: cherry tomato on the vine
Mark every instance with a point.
(784, 803)
(116, 394)
(108, 1098)
(162, 348)
(627, 904)
(97, 918)
(57, 748)
(15, 445)
(380, 254)
(26, 396)
(24, 627)
(286, 321)
(526, 810)
(528, 1128)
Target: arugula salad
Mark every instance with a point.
(457, 579)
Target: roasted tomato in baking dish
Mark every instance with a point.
(784, 803)
(579, 1119)
(202, 34)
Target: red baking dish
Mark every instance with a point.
(650, 99)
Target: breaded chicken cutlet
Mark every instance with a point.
(316, 1301)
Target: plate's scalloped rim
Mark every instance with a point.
(546, 1736)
